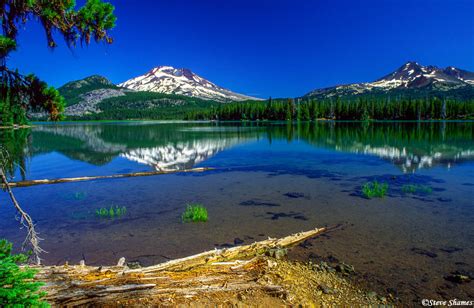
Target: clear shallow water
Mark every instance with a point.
(269, 180)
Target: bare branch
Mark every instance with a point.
(25, 219)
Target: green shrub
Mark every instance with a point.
(374, 189)
(194, 213)
(413, 189)
(16, 286)
(112, 212)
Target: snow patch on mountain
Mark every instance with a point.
(411, 75)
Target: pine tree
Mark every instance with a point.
(24, 93)
(305, 112)
(17, 288)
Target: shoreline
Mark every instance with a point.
(265, 280)
(242, 275)
(171, 121)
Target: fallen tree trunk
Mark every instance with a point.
(102, 177)
(215, 274)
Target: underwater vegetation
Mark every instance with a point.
(413, 189)
(75, 196)
(112, 212)
(374, 189)
(80, 195)
(194, 212)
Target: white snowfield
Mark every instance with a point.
(181, 81)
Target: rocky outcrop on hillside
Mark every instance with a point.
(90, 100)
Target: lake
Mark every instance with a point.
(270, 179)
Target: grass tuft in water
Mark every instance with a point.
(374, 189)
(80, 195)
(413, 189)
(112, 212)
(194, 213)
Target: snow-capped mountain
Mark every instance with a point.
(170, 80)
(414, 75)
(410, 76)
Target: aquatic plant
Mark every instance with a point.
(194, 213)
(112, 212)
(409, 188)
(374, 189)
(17, 288)
(80, 195)
(413, 189)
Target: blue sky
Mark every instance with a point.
(264, 47)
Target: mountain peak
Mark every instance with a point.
(88, 82)
(177, 72)
(411, 64)
(414, 75)
(181, 81)
(410, 76)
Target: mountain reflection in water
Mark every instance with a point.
(177, 146)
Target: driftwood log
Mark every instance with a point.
(102, 177)
(212, 274)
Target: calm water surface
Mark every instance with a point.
(270, 180)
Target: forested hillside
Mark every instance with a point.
(338, 109)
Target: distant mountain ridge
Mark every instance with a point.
(181, 81)
(411, 78)
(166, 92)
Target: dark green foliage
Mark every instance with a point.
(21, 94)
(374, 189)
(355, 109)
(93, 20)
(194, 213)
(16, 286)
(6, 45)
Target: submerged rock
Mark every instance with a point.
(238, 241)
(258, 203)
(450, 249)
(424, 252)
(294, 195)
